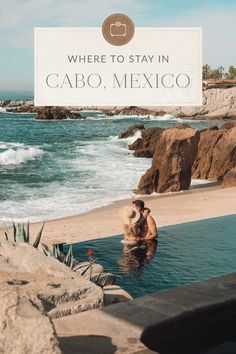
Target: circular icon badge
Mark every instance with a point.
(118, 29)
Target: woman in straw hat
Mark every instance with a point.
(130, 217)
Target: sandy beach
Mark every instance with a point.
(167, 209)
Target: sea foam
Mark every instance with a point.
(130, 140)
(18, 156)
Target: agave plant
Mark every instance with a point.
(102, 279)
(22, 234)
(67, 259)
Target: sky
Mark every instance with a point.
(19, 17)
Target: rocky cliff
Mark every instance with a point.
(146, 145)
(216, 104)
(182, 153)
(229, 179)
(216, 154)
(172, 162)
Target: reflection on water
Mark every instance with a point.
(133, 258)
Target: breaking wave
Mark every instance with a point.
(17, 156)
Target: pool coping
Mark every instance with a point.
(131, 324)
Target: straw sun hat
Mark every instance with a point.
(129, 215)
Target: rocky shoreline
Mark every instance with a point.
(183, 153)
(36, 287)
(217, 104)
(46, 113)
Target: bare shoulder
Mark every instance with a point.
(150, 219)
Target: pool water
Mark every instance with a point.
(184, 253)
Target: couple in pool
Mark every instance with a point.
(138, 224)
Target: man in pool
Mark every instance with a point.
(146, 223)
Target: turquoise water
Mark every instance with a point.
(185, 253)
(52, 169)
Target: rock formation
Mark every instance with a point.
(51, 286)
(216, 104)
(145, 145)
(56, 113)
(216, 154)
(172, 162)
(47, 113)
(23, 328)
(203, 161)
(134, 111)
(229, 179)
(131, 131)
(177, 158)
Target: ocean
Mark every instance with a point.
(16, 95)
(52, 169)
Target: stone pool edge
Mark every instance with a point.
(127, 325)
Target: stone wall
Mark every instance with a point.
(187, 318)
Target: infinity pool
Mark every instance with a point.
(184, 253)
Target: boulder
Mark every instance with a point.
(229, 125)
(172, 162)
(87, 272)
(135, 111)
(131, 131)
(56, 113)
(75, 115)
(47, 113)
(216, 154)
(224, 155)
(203, 160)
(51, 286)
(146, 145)
(229, 179)
(23, 328)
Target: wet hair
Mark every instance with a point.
(139, 203)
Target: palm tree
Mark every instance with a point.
(206, 72)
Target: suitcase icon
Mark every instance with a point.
(118, 29)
